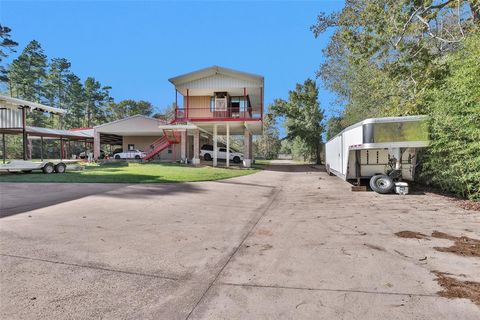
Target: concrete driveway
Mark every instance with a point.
(289, 242)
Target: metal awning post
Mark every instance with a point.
(228, 144)
(188, 103)
(176, 103)
(244, 102)
(41, 148)
(4, 148)
(61, 148)
(24, 131)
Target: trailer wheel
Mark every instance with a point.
(60, 168)
(381, 184)
(48, 168)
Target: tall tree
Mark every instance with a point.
(74, 102)
(56, 81)
(383, 55)
(129, 107)
(303, 116)
(97, 99)
(28, 72)
(334, 126)
(27, 75)
(7, 46)
(56, 84)
(268, 144)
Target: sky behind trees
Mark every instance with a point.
(134, 47)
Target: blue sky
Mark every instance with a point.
(136, 46)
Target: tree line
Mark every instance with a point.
(397, 58)
(404, 57)
(34, 77)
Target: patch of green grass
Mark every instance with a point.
(123, 172)
(262, 162)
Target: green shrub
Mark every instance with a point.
(452, 162)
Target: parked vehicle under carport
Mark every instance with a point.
(130, 154)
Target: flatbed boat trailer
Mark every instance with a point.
(51, 166)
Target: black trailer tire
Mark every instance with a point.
(60, 167)
(382, 184)
(236, 159)
(48, 168)
(207, 157)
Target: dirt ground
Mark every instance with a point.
(289, 242)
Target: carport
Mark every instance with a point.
(13, 121)
(44, 134)
(135, 132)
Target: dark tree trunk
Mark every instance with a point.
(475, 8)
(318, 160)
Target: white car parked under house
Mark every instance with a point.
(130, 154)
(207, 154)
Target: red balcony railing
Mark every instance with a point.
(206, 114)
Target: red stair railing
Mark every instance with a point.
(170, 137)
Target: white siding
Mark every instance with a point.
(218, 82)
(10, 118)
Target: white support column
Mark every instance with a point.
(215, 145)
(96, 145)
(196, 147)
(228, 145)
(247, 141)
(183, 146)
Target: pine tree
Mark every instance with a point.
(26, 77)
(7, 46)
(97, 99)
(74, 102)
(303, 116)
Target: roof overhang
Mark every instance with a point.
(235, 127)
(137, 125)
(50, 133)
(10, 102)
(215, 70)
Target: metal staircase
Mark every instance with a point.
(170, 137)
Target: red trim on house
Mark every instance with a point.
(216, 119)
(79, 129)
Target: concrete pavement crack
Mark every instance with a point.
(247, 234)
(325, 289)
(92, 267)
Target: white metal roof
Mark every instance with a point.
(10, 102)
(137, 125)
(215, 70)
(382, 120)
(38, 131)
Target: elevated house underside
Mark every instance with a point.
(210, 103)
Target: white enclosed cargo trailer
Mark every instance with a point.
(383, 150)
